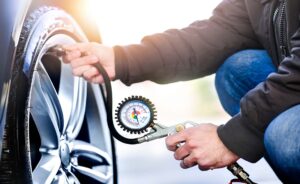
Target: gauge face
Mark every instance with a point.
(135, 114)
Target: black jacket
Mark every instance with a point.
(201, 48)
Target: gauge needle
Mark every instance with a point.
(136, 115)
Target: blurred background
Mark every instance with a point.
(123, 22)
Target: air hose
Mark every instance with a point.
(108, 104)
(235, 168)
(58, 51)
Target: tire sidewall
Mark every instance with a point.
(40, 26)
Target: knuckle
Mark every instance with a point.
(198, 156)
(75, 72)
(168, 141)
(92, 69)
(202, 168)
(204, 163)
(187, 162)
(89, 80)
(171, 148)
(191, 144)
(92, 58)
(73, 64)
(88, 75)
(176, 156)
(100, 79)
(94, 80)
(84, 75)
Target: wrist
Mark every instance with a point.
(120, 64)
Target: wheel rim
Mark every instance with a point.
(59, 106)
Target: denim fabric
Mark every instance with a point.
(282, 143)
(242, 72)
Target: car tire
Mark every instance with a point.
(56, 129)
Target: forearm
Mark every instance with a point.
(189, 53)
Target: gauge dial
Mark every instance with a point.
(135, 114)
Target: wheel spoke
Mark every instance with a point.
(72, 179)
(95, 175)
(60, 178)
(46, 109)
(92, 160)
(72, 94)
(46, 170)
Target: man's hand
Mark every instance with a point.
(201, 147)
(82, 56)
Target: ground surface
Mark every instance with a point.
(151, 163)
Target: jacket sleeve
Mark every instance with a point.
(261, 105)
(188, 53)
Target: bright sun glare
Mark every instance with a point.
(124, 22)
(127, 21)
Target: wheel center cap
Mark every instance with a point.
(64, 153)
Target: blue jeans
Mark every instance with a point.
(242, 72)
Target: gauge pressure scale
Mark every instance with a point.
(135, 114)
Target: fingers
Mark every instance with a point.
(82, 56)
(184, 153)
(82, 67)
(188, 162)
(79, 71)
(71, 55)
(76, 50)
(82, 47)
(98, 79)
(173, 140)
(204, 164)
(90, 73)
(181, 153)
(85, 60)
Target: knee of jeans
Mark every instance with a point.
(231, 70)
(270, 142)
(278, 147)
(240, 67)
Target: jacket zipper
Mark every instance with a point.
(280, 28)
(283, 31)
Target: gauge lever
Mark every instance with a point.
(159, 131)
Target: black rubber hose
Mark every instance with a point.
(108, 104)
(58, 51)
(235, 168)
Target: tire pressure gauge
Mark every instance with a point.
(135, 114)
